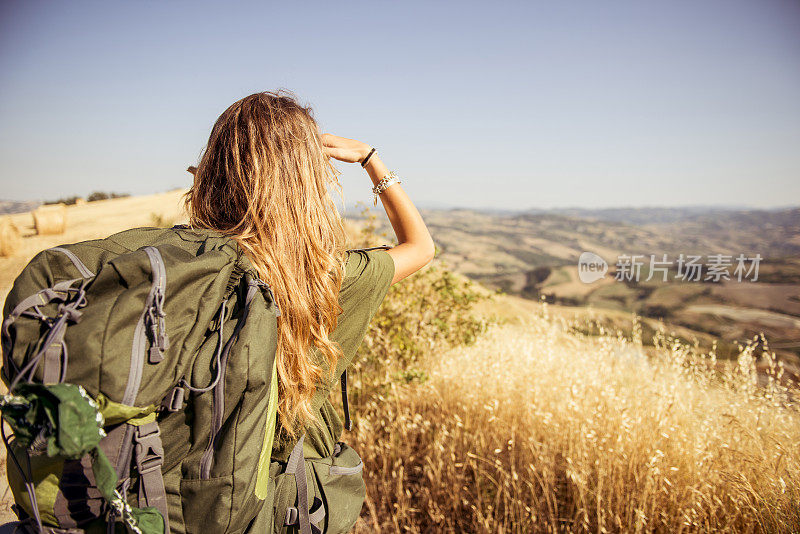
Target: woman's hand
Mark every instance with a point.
(343, 149)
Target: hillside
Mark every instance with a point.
(14, 206)
(535, 255)
(512, 242)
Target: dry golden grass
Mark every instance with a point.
(538, 429)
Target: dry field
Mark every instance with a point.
(537, 429)
(89, 221)
(778, 297)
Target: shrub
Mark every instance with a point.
(429, 311)
(160, 220)
(68, 201)
(102, 195)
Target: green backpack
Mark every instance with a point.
(143, 394)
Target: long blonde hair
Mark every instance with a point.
(263, 179)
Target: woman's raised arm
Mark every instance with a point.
(415, 246)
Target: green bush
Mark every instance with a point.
(102, 195)
(426, 312)
(69, 201)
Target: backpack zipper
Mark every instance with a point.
(138, 352)
(154, 301)
(76, 261)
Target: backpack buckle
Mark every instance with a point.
(258, 282)
(149, 459)
(149, 450)
(316, 515)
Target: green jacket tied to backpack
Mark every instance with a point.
(143, 392)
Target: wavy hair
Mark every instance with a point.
(264, 180)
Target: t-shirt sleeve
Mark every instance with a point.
(368, 275)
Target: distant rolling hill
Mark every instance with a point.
(15, 206)
(535, 254)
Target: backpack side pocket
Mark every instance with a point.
(340, 483)
(334, 488)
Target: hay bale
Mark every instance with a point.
(50, 220)
(10, 238)
(80, 201)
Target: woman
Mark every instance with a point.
(264, 178)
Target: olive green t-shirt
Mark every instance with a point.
(367, 277)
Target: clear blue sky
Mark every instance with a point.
(492, 104)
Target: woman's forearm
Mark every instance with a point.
(415, 245)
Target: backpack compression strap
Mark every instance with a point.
(53, 350)
(302, 516)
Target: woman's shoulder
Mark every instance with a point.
(367, 267)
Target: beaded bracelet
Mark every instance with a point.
(383, 185)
